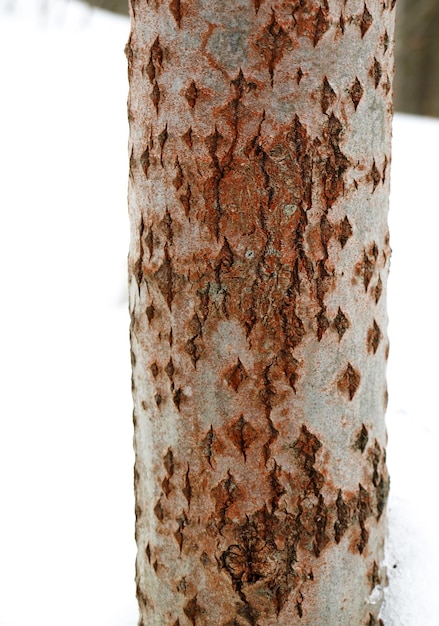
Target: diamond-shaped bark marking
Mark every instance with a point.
(168, 462)
(290, 366)
(236, 375)
(378, 290)
(182, 523)
(185, 200)
(158, 511)
(191, 94)
(155, 96)
(365, 269)
(374, 337)
(362, 439)
(169, 369)
(307, 446)
(154, 370)
(386, 41)
(242, 435)
(145, 161)
(322, 324)
(187, 137)
(272, 44)
(375, 175)
(387, 85)
(328, 95)
(364, 510)
(366, 21)
(155, 60)
(335, 164)
(349, 381)
(322, 25)
(356, 92)
(162, 138)
(225, 494)
(340, 323)
(193, 351)
(342, 24)
(299, 75)
(343, 517)
(211, 445)
(175, 8)
(178, 180)
(177, 397)
(150, 312)
(345, 231)
(376, 72)
(166, 486)
(193, 611)
(149, 240)
(187, 489)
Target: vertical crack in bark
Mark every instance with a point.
(138, 267)
(162, 138)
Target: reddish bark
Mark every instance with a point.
(260, 138)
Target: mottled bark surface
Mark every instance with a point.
(259, 179)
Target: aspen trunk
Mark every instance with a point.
(259, 180)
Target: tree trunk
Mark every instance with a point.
(259, 180)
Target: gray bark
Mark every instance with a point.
(259, 158)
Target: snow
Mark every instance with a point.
(66, 496)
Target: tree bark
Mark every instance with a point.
(258, 194)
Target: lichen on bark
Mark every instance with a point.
(259, 150)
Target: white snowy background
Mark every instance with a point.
(66, 492)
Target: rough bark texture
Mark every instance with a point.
(259, 179)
